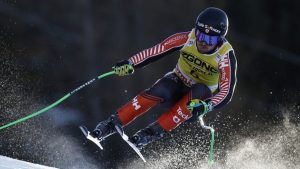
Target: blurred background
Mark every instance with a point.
(49, 48)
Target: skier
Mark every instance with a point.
(205, 75)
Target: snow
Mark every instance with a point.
(9, 163)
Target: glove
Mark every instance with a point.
(197, 107)
(123, 68)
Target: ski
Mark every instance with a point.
(86, 133)
(120, 131)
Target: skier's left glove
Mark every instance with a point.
(123, 68)
(198, 107)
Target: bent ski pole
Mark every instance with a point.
(57, 102)
(210, 161)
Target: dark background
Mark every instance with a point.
(48, 48)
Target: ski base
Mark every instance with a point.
(87, 134)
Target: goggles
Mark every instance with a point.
(209, 40)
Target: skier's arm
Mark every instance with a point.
(172, 43)
(227, 68)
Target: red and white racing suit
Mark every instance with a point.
(209, 77)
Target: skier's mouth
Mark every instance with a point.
(203, 47)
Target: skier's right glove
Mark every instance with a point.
(123, 68)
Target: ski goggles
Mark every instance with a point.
(209, 40)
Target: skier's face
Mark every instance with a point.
(206, 43)
(203, 47)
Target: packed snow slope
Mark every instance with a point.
(9, 163)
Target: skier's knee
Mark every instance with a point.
(201, 91)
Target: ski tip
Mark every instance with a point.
(120, 131)
(86, 133)
(84, 130)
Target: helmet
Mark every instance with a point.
(212, 21)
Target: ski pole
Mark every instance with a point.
(57, 102)
(210, 161)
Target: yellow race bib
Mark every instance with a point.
(201, 68)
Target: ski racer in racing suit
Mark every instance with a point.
(205, 75)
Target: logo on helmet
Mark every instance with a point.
(208, 28)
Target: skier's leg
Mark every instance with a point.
(140, 104)
(176, 115)
(136, 107)
(168, 121)
(171, 119)
(164, 91)
(179, 112)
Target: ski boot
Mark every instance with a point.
(147, 135)
(106, 127)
